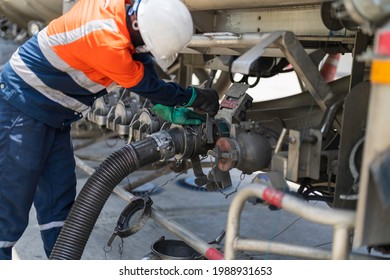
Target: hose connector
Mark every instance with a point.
(165, 144)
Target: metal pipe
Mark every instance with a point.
(282, 249)
(340, 248)
(84, 166)
(292, 250)
(94, 140)
(188, 237)
(332, 217)
(340, 219)
(96, 158)
(149, 177)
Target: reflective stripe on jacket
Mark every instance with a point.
(93, 39)
(56, 75)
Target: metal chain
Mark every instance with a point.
(242, 177)
(120, 248)
(156, 188)
(107, 249)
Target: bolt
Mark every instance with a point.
(292, 140)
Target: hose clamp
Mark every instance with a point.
(165, 144)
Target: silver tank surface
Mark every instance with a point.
(199, 5)
(23, 11)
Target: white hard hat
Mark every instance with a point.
(165, 26)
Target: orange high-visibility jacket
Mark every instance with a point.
(57, 74)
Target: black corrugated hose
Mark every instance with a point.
(89, 203)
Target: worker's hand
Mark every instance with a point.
(206, 100)
(178, 115)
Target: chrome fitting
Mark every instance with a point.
(165, 144)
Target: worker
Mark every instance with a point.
(53, 80)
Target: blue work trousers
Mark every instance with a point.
(36, 166)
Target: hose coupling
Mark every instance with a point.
(165, 144)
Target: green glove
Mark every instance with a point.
(178, 115)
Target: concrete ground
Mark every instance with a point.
(201, 212)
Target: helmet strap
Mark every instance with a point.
(132, 27)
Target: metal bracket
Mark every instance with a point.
(304, 155)
(219, 179)
(300, 61)
(201, 178)
(235, 103)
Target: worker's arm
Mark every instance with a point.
(137, 73)
(157, 90)
(172, 94)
